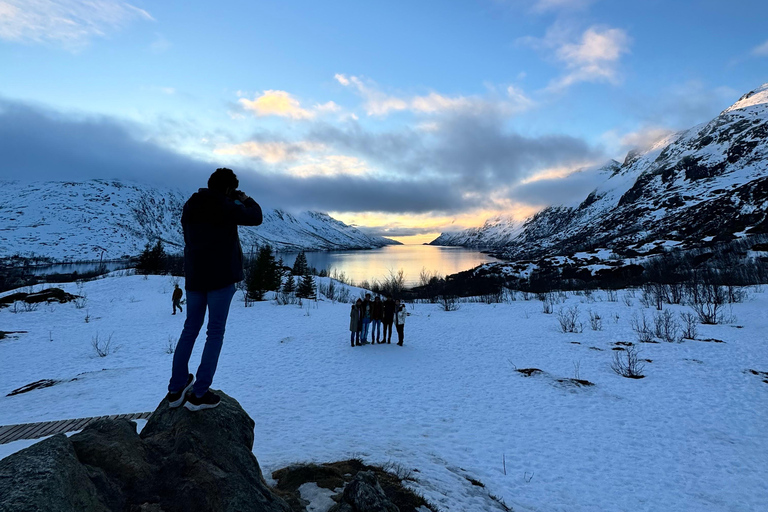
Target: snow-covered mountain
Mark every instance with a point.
(81, 220)
(709, 182)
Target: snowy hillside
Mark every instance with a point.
(448, 406)
(710, 181)
(80, 220)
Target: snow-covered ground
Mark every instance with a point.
(692, 435)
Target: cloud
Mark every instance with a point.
(378, 103)
(71, 23)
(470, 162)
(592, 56)
(271, 152)
(559, 186)
(761, 50)
(282, 104)
(593, 59)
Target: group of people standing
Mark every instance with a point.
(370, 315)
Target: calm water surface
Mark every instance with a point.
(377, 263)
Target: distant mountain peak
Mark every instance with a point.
(757, 96)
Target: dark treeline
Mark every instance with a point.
(728, 264)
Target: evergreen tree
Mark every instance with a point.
(264, 275)
(300, 265)
(290, 285)
(306, 287)
(152, 259)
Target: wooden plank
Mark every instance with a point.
(51, 428)
(32, 431)
(65, 425)
(14, 431)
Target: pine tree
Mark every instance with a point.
(300, 265)
(152, 259)
(306, 287)
(264, 274)
(290, 285)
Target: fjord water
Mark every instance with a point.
(367, 265)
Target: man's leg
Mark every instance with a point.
(195, 318)
(400, 333)
(218, 310)
(366, 323)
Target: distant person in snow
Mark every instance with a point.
(389, 318)
(366, 314)
(354, 320)
(176, 298)
(377, 314)
(400, 315)
(213, 263)
(359, 307)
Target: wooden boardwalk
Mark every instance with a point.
(10, 433)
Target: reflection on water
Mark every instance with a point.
(377, 263)
(80, 268)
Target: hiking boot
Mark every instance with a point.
(208, 401)
(176, 399)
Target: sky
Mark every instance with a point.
(405, 118)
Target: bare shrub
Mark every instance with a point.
(547, 303)
(595, 321)
(569, 319)
(399, 470)
(611, 296)
(29, 306)
(641, 327)
(666, 327)
(708, 303)
(626, 363)
(449, 303)
(690, 325)
(170, 346)
(87, 316)
(627, 298)
(102, 346)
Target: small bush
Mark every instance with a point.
(170, 346)
(627, 364)
(595, 322)
(569, 320)
(103, 347)
(449, 303)
(690, 325)
(641, 327)
(666, 327)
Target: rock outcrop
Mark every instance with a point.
(182, 461)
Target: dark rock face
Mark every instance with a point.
(183, 461)
(47, 477)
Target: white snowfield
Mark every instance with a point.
(449, 405)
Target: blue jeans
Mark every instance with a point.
(376, 330)
(366, 324)
(217, 302)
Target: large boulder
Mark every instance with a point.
(47, 477)
(182, 461)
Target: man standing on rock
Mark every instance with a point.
(213, 263)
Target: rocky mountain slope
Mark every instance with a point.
(81, 220)
(707, 183)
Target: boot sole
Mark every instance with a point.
(192, 407)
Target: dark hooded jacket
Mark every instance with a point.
(213, 257)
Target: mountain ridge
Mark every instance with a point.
(710, 181)
(114, 219)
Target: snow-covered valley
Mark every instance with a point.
(449, 404)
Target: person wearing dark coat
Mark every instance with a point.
(389, 318)
(377, 315)
(366, 315)
(359, 306)
(213, 263)
(354, 320)
(176, 298)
